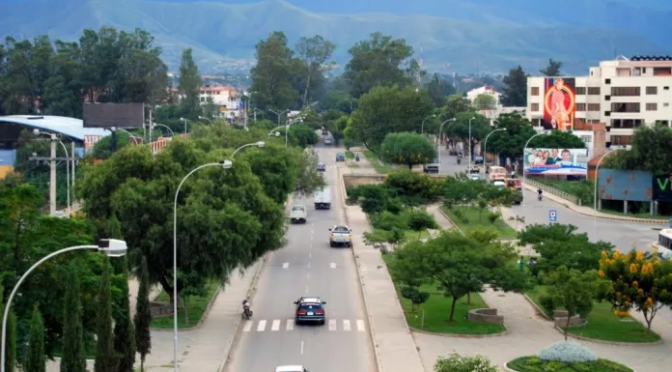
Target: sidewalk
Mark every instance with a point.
(206, 347)
(394, 348)
(363, 166)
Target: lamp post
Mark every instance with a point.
(185, 124)
(67, 168)
(597, 176)
(259, 144)
(204, 118)
(485, 145)
(299, 119)
(225, 164)
(438, 144)
(172, 134)
(525, 148)
(111, 247)
(470, 149)
(279, 113)
(422, 127)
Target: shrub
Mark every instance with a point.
(493, 217)
(566, 351)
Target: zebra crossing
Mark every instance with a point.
(287, 325)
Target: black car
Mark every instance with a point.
(310, 310)
(321, 167)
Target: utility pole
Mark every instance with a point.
(52, 179)
(151, 126)
(72, 184)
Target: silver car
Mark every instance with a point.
(340, 235)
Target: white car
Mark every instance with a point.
(340, 235)
(290, 369)
(298, 214)
(327, 141)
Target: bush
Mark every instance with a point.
(566, 351)
(493, 217)
(536, 364)
(458, 363)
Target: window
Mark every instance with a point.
(594, 91)
(651, 90)
(607, 98)
(620, 140)
(593, 107)
(651, 106)
(666, 104)
(580, 91)
(607, 113)
(625, 123)
(586, 139)
(625, 91)
(535, 107)
(625, 107)
(581, 107)
(535, 91)
(607, 81)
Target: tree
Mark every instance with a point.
(558, 139)
(107, 360)
(456, 104)
(458, 363)
(480, 127)
(552, 69)
(460, 264)
(377, 62)
(569, 290)
(413, 294)
(73, 359)
(277, 168)
(309, 180)
(303, 135)
(272, 76)
(635, 280)
(143, 315)
(35, 360)
(510, 143)
(103, 150)
(389, 110)
(314, 52)
(515, 88)
(485, 102)
(438, 89)
(412, 188)
(124, 332)
(190, 86)
(420, 221)
(10, 346)
(407, 149)
(648, 152)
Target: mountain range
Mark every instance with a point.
(451, 36)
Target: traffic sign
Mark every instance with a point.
(553, 215)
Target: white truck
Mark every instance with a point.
(322, 198)
(298, 214)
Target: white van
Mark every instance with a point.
(298, 214)
(322, 198)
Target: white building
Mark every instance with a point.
(623, 94)
(486, 89)
(493, 115)
(227, 100)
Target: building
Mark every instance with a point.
(486, 89)
(227, 99)
(622, 93)
(493, 115)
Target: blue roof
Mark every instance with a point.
(70, 127)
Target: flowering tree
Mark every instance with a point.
(636, 280)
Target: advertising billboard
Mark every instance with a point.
(562, 162)
(559, 103)
(117, 115)
(625, 185)
(662, 187)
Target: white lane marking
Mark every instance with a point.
(306, 289)
(248, 326)
(309, 265)
(262, 326)
(276, 325)
(310, 255)
(332, 324)
(285, 265)
(290, 325)
(346, 325)
(333, 265)
(301, 347)
(360, 325)
(307, 275)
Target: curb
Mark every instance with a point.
(372, 331)
(449, 220)
(613, 343)
(460, 335)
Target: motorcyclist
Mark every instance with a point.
(539, 192)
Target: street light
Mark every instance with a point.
(259, 144)
(422, 127)
(470, 150)
(204, 118)
(172, 134)
(525, 148)
(185, 124)
(225, 164)
(597, 174)
(279, 113)
(485, 145)
(131, 135)
(111, 248)
(67, 168)
(438, 143)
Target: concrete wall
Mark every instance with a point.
(485, 316)
(624, 185)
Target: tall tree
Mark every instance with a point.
(107, 359)
(314, 52)
(35, 360)
(485, 102)
(73, 359)
(272, 76)
(143, 315)
(455, 104)
(124, 332)
(463, 126)
(552, 69)
(510, 142)
(189, 86)
(407, 149)
(515, 88)
(438, 89)
(377, 61)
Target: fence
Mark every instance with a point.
(553, 191)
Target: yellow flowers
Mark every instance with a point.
(604, 253)
(601, 274)
(617, 254)
(621, 313)
(635, 284)
(649, 303)
(639, 256)
(634, 268)
(647, 269)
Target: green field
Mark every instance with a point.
(196, 307)
(472, 221)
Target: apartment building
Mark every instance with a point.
(486, 89)
(622, 93)
(227, 100)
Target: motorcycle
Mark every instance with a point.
(539, 197)
(247, 312)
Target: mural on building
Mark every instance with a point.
(559, 103)
(625, 185)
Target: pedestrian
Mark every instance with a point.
(521, 263)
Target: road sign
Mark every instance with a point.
(553, 215)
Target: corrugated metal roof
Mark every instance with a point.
(70, 127)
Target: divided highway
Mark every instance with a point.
(307, 266)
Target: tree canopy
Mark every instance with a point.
(407, 149)
(511, 141)
(649, 151)
(480, 127)
(515, 88)
(552, 69)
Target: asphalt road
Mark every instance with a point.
(307, 266)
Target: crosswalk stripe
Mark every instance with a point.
(290, 325)
(248, 326)
(360, 325)
(262, 326)
(332, 324)
(276, 325)
(346, 325)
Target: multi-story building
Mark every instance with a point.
(226, 99)
(486, 89)
(623, 94)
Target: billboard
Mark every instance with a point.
(559, 103)
(662, 187)
(562, 162)
(118, 115)
(631, 185)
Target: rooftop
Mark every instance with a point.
(69, 127)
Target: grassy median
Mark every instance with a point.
(196, 307)
(467, 217)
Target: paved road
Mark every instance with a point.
(307, 266)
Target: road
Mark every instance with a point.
(307, 266)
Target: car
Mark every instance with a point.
(299, 214)
(340, 235)
(321, 167)
(327, 141)
(290, 369)
(340, 156)
(475, 177)
(478, 160)
(310, 310)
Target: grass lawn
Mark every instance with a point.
(410, 234)
(196, 307)
(349, 155)
(604, 325)
(89, 350)
(437, 310)
(376, 163)
(534, 364)
(471, 214)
